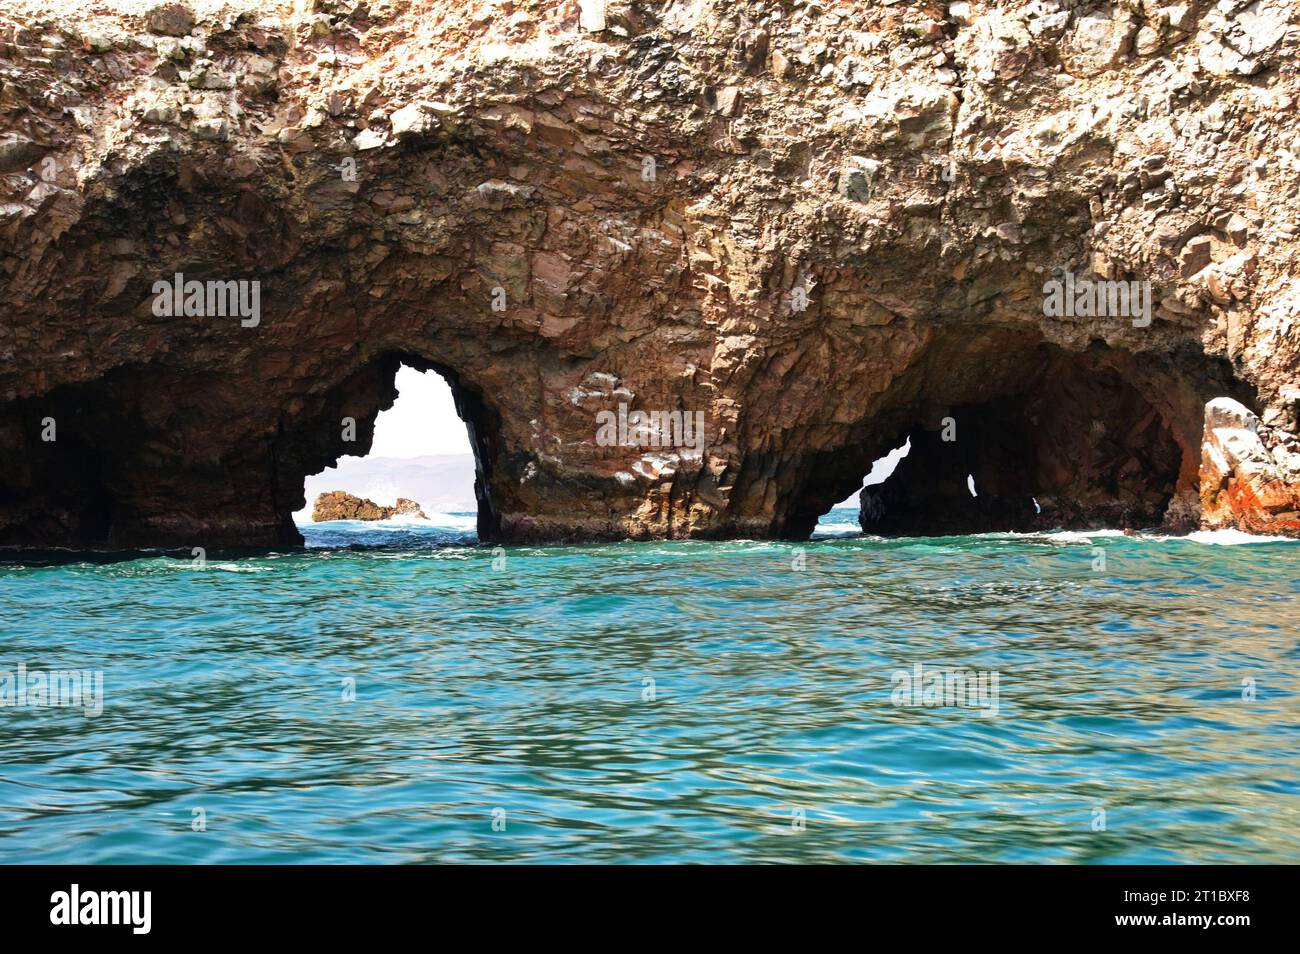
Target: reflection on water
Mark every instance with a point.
(659, 702)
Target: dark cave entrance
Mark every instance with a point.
(61, 479)
(148, 456)
(1022, 463)
(1011, 433)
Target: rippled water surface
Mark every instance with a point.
(514, 686)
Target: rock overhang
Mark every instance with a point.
(431, 179)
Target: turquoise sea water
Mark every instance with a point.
(504, 709)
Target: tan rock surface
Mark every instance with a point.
(341, 505)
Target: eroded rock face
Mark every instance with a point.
(1243, 483)
(341, 505)
(824, 227)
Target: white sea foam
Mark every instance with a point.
(434, 520)
(1232, 538)
(1225, 538)
(1221, 538)
(836, 530)
(1073, 536)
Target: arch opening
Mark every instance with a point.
(420, 463)
(1008, 432)
(1030, 462)
(409, 436)
(114, 463)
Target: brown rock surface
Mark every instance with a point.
(1244, 484)
(823, 227)
(340, 505)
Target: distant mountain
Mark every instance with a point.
(441, 483)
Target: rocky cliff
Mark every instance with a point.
(814, 228)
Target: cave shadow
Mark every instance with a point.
(1052, 440)
(85, 465)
